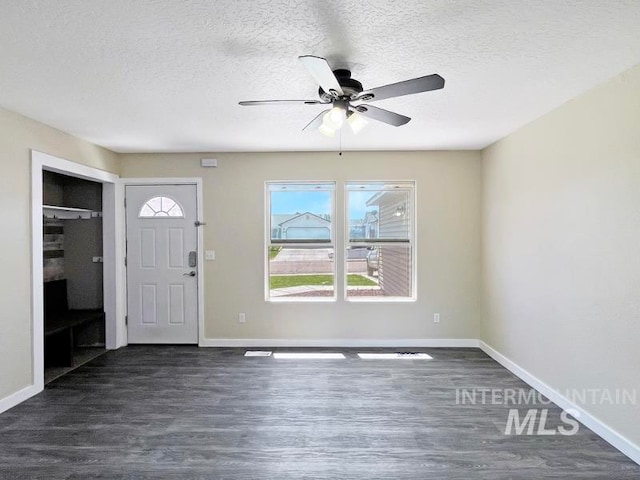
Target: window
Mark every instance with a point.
(300, 241)
(161, 207)
(380, 251)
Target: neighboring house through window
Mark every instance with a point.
(300, 243)
(385, 210)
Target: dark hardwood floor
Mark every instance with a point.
(81, 355)
(183, 412)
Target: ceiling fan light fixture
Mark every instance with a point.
(356, 122)
(334, 118)
(327, 130)
(337, 114)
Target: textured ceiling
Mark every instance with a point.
(166, 75)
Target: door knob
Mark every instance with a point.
(192, 273)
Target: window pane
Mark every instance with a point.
(160, 207)
(300, 212)
(385, 271)
(146, 211)
(300, 272)
(379, 212)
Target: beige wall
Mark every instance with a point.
(18, 135)
(448, 232)
(561, 223)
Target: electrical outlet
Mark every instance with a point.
(436, 318)
(242, 318)
(210, 255)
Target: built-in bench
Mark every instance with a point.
(60, 323)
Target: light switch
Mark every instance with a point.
(209, 254)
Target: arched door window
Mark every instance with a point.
(161, 207)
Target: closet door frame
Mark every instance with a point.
(113, 255)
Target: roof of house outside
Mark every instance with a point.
(281, 219)
(384, 196)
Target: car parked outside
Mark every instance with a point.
(372, 261)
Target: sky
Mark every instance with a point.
(318, 203)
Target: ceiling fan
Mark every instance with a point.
(345, 95)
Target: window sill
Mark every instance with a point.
(301, 300)
(381, 299)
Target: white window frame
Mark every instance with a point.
(410, 185)
(268, 243)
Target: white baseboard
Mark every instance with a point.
(18, 397)
(341, 342)
(617, 440)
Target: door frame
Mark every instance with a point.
(113, 254)
(197, 181)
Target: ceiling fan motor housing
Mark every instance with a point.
(350, 86)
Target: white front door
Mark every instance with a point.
(162, 263)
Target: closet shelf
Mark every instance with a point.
(68, 213)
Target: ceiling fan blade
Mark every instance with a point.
(317, 121)
(382, 115)
(321, 72)
(408, 87)
(280, 102)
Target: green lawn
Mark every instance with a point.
(359, 281)
(283, 281)
(273, 252)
